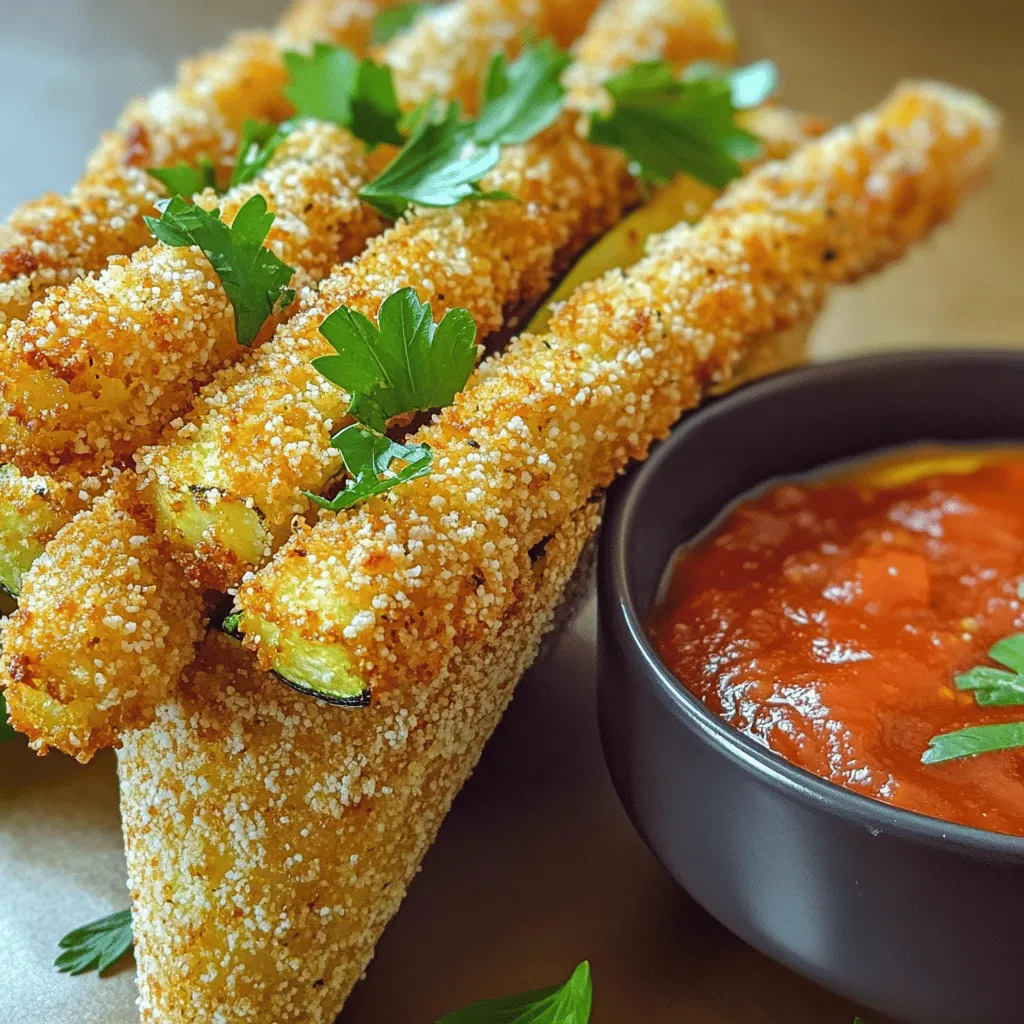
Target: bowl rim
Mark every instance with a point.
(790, 780)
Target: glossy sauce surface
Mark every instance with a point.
(827, 619)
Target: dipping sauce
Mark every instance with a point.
(827, 619)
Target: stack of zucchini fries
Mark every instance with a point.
(247, 440)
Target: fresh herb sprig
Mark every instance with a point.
(393, 21)
(331, 84)
(255, 279)
(185, 180)
(403, 363)
(992, 687)
(447, 155)
(97, 945)
(667, 125)
(563, 1004)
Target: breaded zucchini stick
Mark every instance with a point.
(60, 670)
(55, 239)
(100, 366)
(769, 354)
(229, 482)
(245, 804)
(383, 595)
(131, 605)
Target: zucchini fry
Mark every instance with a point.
(57, 671)
(55, 239)
(100, 366)
(76, 688)
(245, 803)
(229, 482)
(383, 595)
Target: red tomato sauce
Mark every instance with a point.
(826, 619)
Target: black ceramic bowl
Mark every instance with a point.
(916, 917)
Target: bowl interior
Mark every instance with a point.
(792, 424)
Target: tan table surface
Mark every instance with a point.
(536, 868)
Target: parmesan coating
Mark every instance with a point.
(259, 435)
(176, 650)
(283, 832)
(55, 239)
(399, 583)
(102, 365)
(434, 60)
(77, 687)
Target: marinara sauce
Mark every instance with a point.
(827, 619)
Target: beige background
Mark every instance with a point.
(536, 868)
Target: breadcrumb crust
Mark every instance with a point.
(99, 367)
(402, 581)
(259, 434)
(56, 238)
(58, 677)
(271, 837)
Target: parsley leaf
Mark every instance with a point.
(521, 100)
(445, 156)
(992, 687)
(331, 84)
(368, 455)
(564, 1004)
(98, 945)
(184, 179)
(403, 363)
(439, 165)
(253, 277)
(260, 140)
(974, 740)
(997, 686)
(393, 21)
(749, 87)
(665, 125)
(7, 731)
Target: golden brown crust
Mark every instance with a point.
(271, 837)
(75, 688)
(484, 257)
(402, 581)
(56, 239)
(100, 366)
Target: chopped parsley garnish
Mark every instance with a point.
(393, 21)
(260, 140)
(445, 156)
(403, 363)
(332, 84)
(254, 278)
(328, 84)
(666, 125)
(96, 946)
(974, 740)
(184, 179)
(564, 1004)
(369, 458)
(991, 687)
